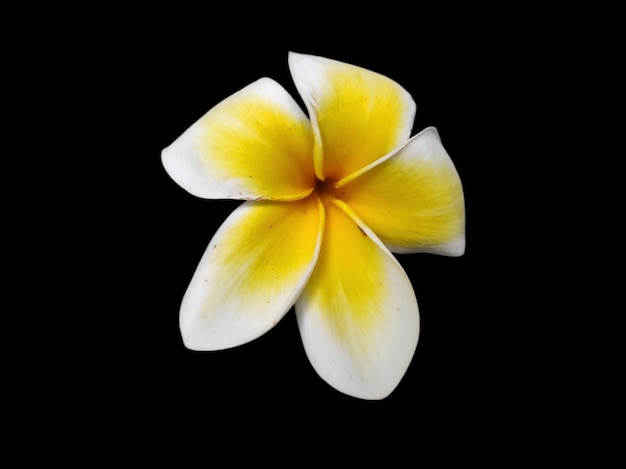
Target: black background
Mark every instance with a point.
(459, 367)
(479, 373)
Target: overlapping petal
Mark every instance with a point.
(358, 315)
(252, 273)
(413, 199)
(357, 115)
(256, 144)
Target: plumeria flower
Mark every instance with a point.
(328, 198)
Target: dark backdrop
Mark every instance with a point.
(143, 80)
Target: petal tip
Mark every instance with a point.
(167, 161)
(296, 56)
(456, 248)
(300, 66)
(189, 343)
(453, 248)
(192, 340)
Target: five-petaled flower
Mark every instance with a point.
(328, 198)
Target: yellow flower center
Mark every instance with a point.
(327, 189)
(323, 186)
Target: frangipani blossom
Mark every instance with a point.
(328, 198)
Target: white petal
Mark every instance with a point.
(357, 115)
(358, 315)
(412, 198)
(256, 144)
(252, 273)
